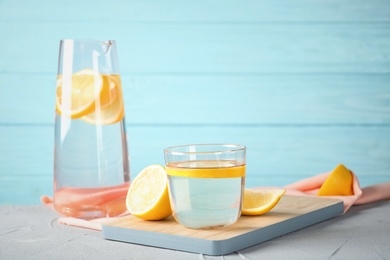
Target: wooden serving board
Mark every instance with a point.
(290, 214)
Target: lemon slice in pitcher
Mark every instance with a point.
(260, 201)
(76, 95)
(148, 196)
(109, 106)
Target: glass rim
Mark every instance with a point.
(108, 42)
(234, 148)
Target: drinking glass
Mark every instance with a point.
(206, 183)
(91, 163)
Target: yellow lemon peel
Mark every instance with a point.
(338, 183)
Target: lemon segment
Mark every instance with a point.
(148, 197)
(260, 201)
(76, 95)
(338, 183)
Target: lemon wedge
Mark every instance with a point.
(148, 197)
(260, 201)
(76, 95)
(338, 183)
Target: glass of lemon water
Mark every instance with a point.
(91, 163)
(206, 183)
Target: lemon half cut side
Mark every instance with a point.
(148, 196)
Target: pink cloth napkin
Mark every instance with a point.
(305, 187)
(311, 186)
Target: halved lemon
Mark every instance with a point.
(148, 197)
(260, 201)
(109, 108)
(338, 183)
(76, 95)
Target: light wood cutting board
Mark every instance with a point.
(291, 213)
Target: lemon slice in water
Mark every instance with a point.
(76, 95)
(109, 106)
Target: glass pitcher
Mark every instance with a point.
(91, 162)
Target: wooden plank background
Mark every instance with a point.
(305, 85)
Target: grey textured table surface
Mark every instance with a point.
(32, 232)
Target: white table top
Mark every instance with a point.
(32, 232)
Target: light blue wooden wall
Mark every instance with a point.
(305, 85)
